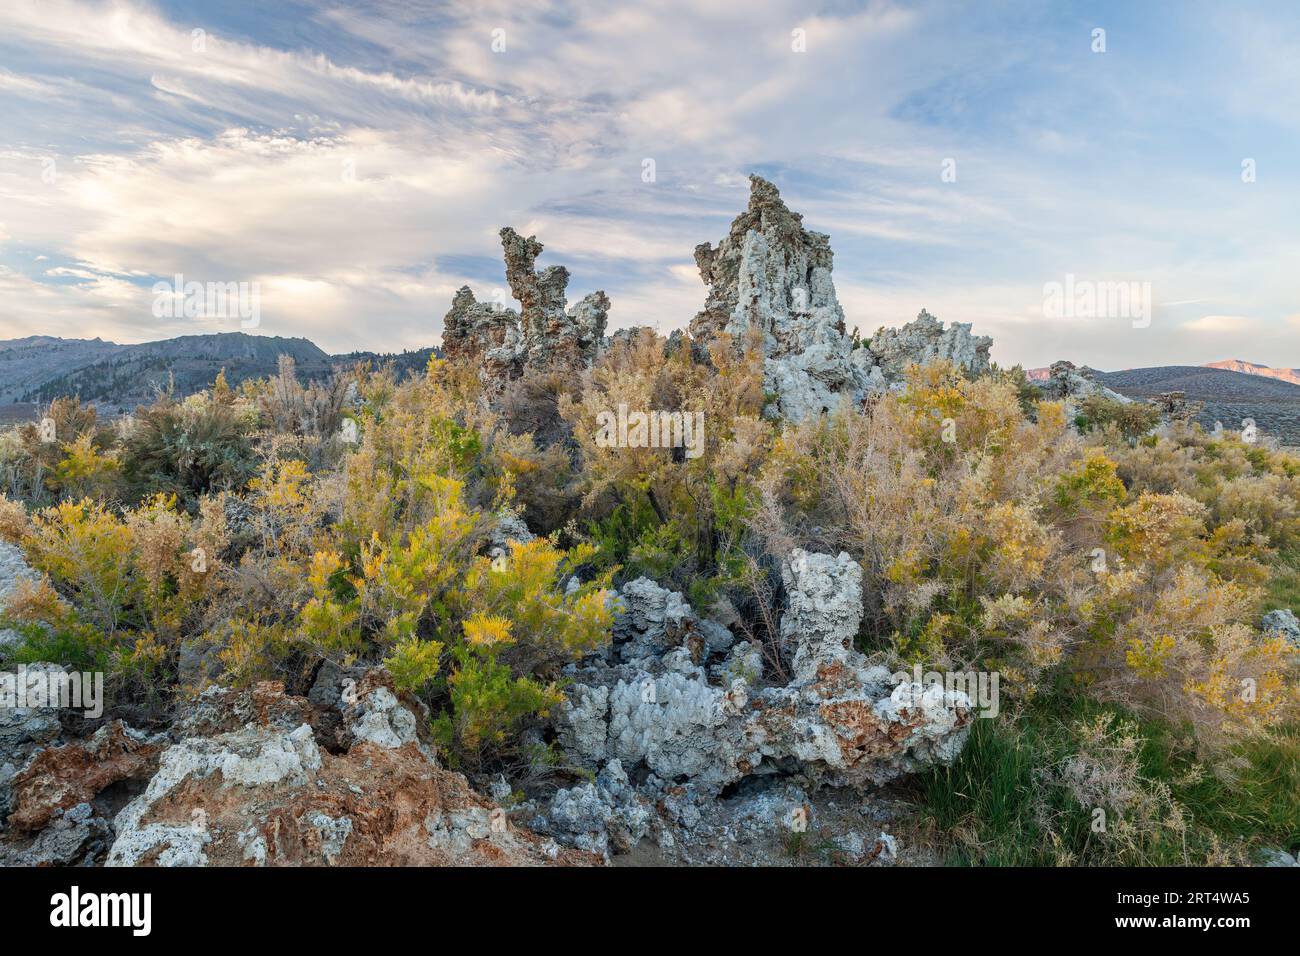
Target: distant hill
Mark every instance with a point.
(27, 364)
(1229, 396)
(404, 363)
(1250, 368)
(1199, 382)
(40, 368)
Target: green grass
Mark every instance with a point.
(1258, 804)
(982, 809)
(986, 799)
(1284, 585)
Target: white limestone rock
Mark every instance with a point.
(844, 721)
(1282, 623)
(771, 278)
(254, 757)
(379, 718)
(925, 340)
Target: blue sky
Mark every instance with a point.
(357, 159)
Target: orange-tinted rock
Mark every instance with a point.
(59, 778)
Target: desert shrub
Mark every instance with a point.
(414, 663)
(1130, 419)
(488, 702)
(535, 482)
(1187, 656)
(187, 449)
(502, 626)
(1267, 504)
(14, 523)
(306, 422)
(531, 406)
(481, 640)
(84, 472)
(520, 588)
(120, 591)
(407, 579)
(412, 436)
(999, 541)
(1233, 478)
(940, 492)
(1110, 573)
(65, 452)
(1091, 484)
(658, 509)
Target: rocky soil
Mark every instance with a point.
(257, 778)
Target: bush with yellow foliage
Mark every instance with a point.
(1095, 562)
(999, 540)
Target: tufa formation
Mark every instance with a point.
(769, 280)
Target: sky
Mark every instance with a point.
(356, 161)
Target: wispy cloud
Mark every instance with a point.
(357, 159)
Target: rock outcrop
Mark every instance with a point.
(54, 803)
(1282, 623)
(78, 836)
(1174, 406)
(60, 778)
(769, 286)
(253, 786)
(13, 571)
(770, 278)
(1068, 383)
(24, 732)
(545, 335)
(255, 778)
(679, 704)
(483, 334)
(925, 340)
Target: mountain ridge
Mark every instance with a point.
(1253, 368)
(38, 368)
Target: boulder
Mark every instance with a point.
(23, 732)
(1068, 383)
(250, 784)
(925, 340)
(657, 704)
(1174, 406)
(59, 778)
(1282, 623)
(77, 836)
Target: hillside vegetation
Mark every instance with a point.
(1139, 684)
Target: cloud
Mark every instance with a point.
(1220, 324)
(12, 83)
(359, 160)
